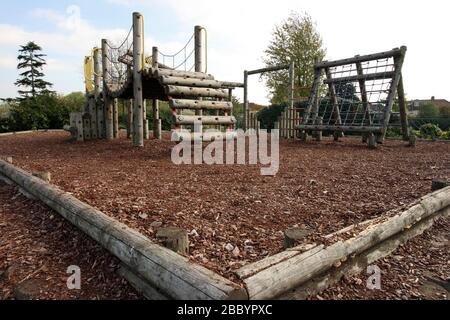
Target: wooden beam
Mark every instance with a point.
(398, 62)
(359, 263)
(199, 104)
(341, 128)
(403, 111)
(269, 69)
(364, 58)
(172, 274)
(365, 77)
(177, 91)
(295, 271)
(206, 120)
(182, 74)
(108, 101)
(362, 89)
(138, 52)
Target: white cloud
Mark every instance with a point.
(8, 62)
(239, 31)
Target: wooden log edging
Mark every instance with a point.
(359, 263)
(289, 272)
(166, 271)
(13, 133)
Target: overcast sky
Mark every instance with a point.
(238, 33)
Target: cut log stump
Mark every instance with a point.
(43, 175)
(28, 289)
(293, 234)
(175, 239)
(412, 140)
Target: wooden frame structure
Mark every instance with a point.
(368, 75)
(130, 76)
(250, 118)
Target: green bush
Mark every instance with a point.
(446, 135)
(394, 132)
(47, 111)
(430, 131)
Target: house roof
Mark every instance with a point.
(441, 103)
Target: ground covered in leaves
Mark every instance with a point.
(235, 215)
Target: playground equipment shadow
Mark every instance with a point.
(324, 187)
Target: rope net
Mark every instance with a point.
(183, 59)
(120, 58)
(352, 95)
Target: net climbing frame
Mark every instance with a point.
(356, 95)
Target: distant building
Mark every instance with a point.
(414, 105)
(255, 107)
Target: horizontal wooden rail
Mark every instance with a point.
(338, 128)
(366, 77)
(168, 272)
(200, 104)
(287, 271)
(177, 91)
(218, 120)
(381, 55)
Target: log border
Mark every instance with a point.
(169, 273)
(295, 273)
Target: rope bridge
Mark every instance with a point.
(183, 59)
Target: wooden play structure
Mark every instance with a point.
(360, 94)
(250, 118)
(124, 72)
(357, 95)
(348, 95)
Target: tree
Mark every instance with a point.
(31, 79)
(74, 101)
(428, 110)
(444, 111)
(295, 39)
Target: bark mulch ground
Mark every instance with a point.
(36, 248)
(323, 186)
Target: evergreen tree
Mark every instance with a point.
(31, 80)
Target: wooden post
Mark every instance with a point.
(198, 56)
(129, 118)
(362, 89)
(199, 65)
(402, 107)
(245, 100)
(291, 98)
(138, 57)
(398, 63)
(156, 119)
(108, 103)
(336, 111)
(116, 119)
(93, 114)
(319, 121)
(175, 239)
(145, 123)
(98, 90)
